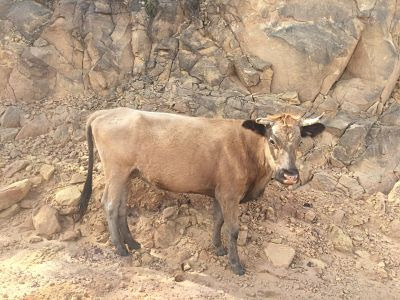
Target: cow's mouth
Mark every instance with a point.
(290, 181)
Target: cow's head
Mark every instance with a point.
(282, 134)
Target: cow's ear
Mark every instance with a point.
(312, 130)
(254, 126)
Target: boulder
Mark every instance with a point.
(47, 171)
(299, 37)
(290, 97)
(14, 167)
(392, 115)
(323, 181)
(13, 193)
(338, 124)
(61, 134)
(10, 212)
(8, 134)
(45, 221)
(206, 69)
(245, 71)
(68, 196)
(187, 59)
(38, 126)
(376, 57)
(375, 169)
(279, 255)
(11, 117)
(356, 95)
(353, 142)
(350, 186)
(341, 241)
(29, 16)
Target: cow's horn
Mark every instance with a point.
(311, 121)
(263, 121)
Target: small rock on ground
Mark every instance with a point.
(242, 238)
(38, 126)
(10, 212)
(8, 134)
(45, 221)
(77, 178)
(13, 193)
(394, 195)
(11, 117)
(279, 255)
(170, 212)
(341, 241)
(165, 235)
(15, 167)
(70, 235)
(394, 229)
(68, 196)
(47, 171)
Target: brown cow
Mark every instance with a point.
(229, 160)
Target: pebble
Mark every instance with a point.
(242, 238)
(35, 239)
(186, 267)
(310, 216)
(169, 212)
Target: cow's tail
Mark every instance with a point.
(87, 188)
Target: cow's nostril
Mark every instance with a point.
(287, 176)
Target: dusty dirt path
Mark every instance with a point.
(179, 263)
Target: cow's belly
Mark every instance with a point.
(179, 178)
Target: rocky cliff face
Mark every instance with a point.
(229, 58)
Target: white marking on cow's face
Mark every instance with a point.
(280, 151)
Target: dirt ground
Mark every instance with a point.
(176, 260)
(187, 268)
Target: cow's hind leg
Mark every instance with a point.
(123, 222)
(220, 250)
(112, 202)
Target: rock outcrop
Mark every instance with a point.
(234, 59)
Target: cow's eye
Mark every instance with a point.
(272, 142)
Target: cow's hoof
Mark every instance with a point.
(133, 245)
(221, 251)
(122, 251)
(238, 269)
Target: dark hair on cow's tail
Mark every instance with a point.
(87, 189)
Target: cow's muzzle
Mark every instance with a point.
(288, 177)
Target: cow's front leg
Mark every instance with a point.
(230, 209)
(220, 250)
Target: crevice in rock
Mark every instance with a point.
(12, 90)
